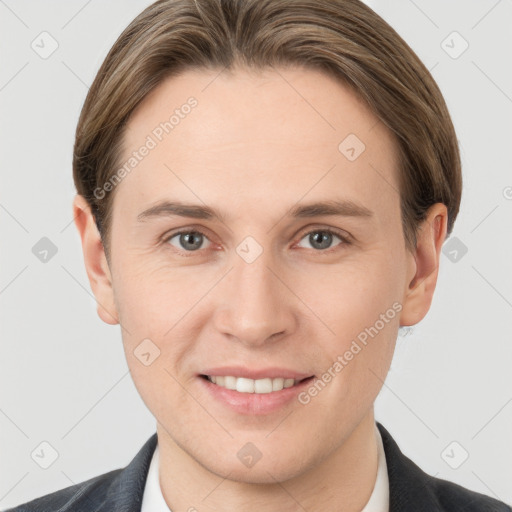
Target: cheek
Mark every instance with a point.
(146, 294)
(157, 308)
(352, 295)
(360, 304)
(356, 360)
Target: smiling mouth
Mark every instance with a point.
(258, 386)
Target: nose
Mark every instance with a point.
(254, 304)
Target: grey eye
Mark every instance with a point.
(188, 240)
(321, 239)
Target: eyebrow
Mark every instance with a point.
(342, 208)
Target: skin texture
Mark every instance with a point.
(254, 147)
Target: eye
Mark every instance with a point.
(321, 239)
(189, 241)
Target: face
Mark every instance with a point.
(267, 285)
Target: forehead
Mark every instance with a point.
(253, 136)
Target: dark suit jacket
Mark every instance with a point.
(410, 488)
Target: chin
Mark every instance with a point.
(261, 475)
(278, 468)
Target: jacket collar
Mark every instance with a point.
(126, 490)
(410, 488)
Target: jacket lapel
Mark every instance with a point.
(410, 488)
(125, 492)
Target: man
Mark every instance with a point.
(261, 184)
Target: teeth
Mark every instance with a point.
(243, 385)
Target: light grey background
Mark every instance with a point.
(63, 374)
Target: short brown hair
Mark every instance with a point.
(344, 38)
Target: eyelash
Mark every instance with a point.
(345, 240)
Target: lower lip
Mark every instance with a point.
(254, 403)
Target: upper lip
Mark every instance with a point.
(255, 374)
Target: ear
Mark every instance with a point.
(424, 266)
(95, 261)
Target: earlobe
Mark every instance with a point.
(424, 266)
(95, 261)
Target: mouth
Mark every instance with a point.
(256, 386)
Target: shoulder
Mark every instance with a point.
(411, 489)
(84, 496)
(452, 496)
(120, 489)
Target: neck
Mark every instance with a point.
(344, 480)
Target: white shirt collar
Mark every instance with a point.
(379, 499)
(153, 499)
